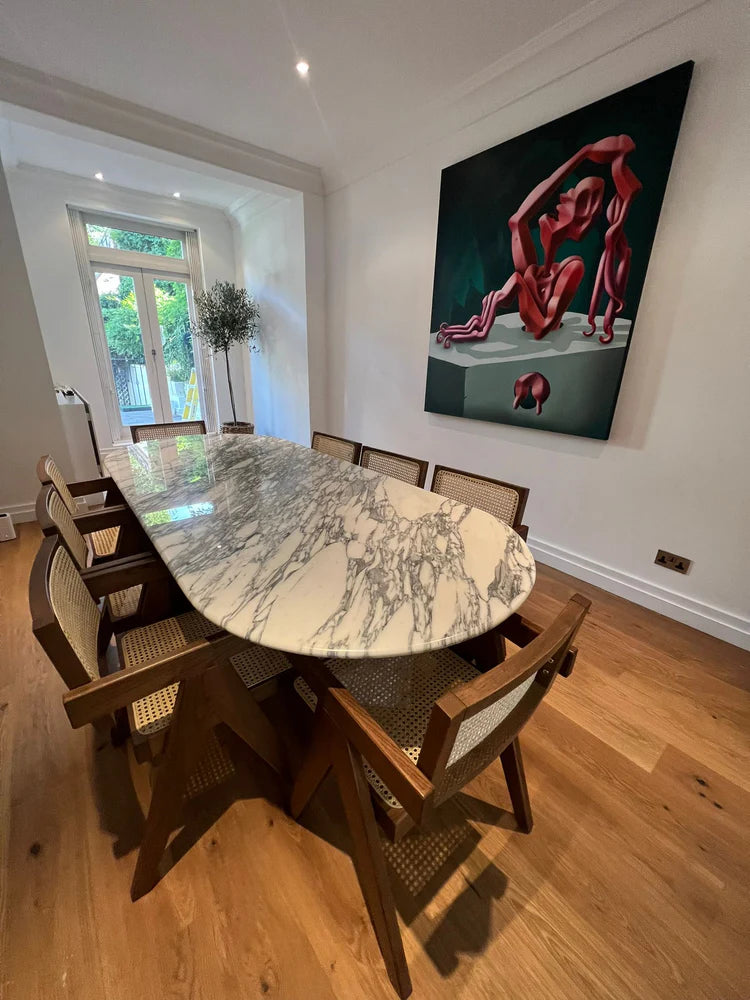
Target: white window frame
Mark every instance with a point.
(90, 258)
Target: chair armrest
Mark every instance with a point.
(105, 517)
(477, 693)
(521, 632)
(87, 486)
(101, 697)
(119, 574)
(412, 787)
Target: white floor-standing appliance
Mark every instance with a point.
(78, 427)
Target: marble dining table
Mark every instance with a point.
(298, 551)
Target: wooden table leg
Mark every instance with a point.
(315, 766)
(237, 707)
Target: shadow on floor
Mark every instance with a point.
(455, 848)
(421, 864)
(119, 810)
(227, 773)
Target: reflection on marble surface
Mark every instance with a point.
(177, 513)
(298, 551)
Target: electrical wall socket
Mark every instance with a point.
(670, 561)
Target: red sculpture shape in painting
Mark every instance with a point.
(533, 383)
(545, 290)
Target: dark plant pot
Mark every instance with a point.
(241, 427)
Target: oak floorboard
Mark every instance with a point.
(589, 700)
(712, 656)
(634, 883)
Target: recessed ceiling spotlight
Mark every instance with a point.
(303, 68)
(176, 194)
(99, 175)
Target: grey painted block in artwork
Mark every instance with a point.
(476, 378)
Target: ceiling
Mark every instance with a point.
(32, 139)
(229, 66)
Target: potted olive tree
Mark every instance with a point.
(227, 315)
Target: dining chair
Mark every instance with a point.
(155, 432)
(505, 500)
(177, 677)
(104, 541)
(389, 463)
(405, 734)
(341, 448)
(125, 607)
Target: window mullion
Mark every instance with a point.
(157, 379)
(110, 258)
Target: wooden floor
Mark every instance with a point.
(633, 884)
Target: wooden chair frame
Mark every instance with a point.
(345, 734)
(357, 445)
(135, 429)
(419, 462)
(210, 691)
(152, 605)
(85, 487)
(100, 581)
(522, 491)
(115, 513)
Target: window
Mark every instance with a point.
(138, 284)
(128, 239)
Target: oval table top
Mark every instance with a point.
(295, 550)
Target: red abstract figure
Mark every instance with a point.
(534, 383)
(546, 290)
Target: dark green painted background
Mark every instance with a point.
(473, 254)
(478, 195)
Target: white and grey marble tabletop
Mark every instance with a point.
(298, 551)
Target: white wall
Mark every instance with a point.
(280, 250)
(675, 473)
(39, 200)
(29, 419)
(315, 280)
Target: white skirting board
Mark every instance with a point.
(21, 512)
(706, 618)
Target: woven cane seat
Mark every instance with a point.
(104, 542)
(399, 692)
(254, 665)
(125, 602)
(501, 501)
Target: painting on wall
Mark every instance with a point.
(542, 249)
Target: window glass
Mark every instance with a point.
(126, 239)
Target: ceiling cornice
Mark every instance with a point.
(247, 207)
(587, 35)
(60, 98)
(96, 191)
